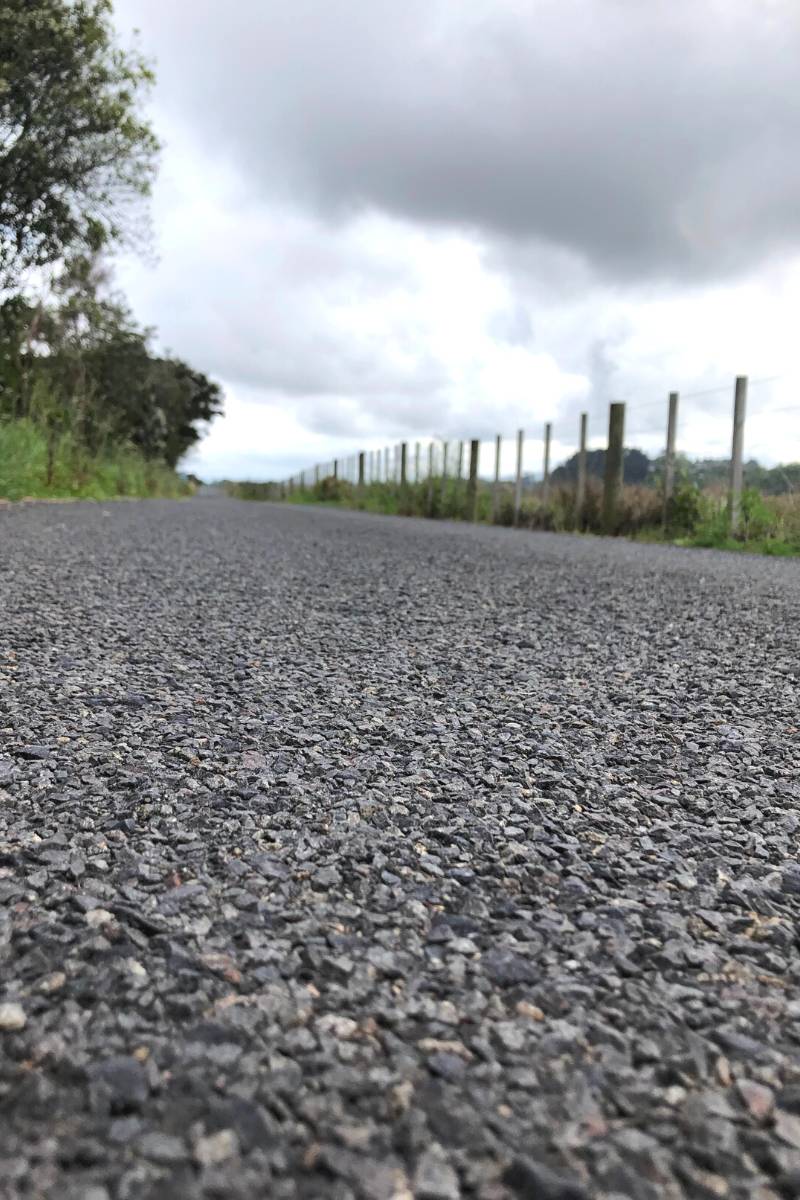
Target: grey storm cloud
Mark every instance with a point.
(656, 141)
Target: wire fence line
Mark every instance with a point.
(507, 460)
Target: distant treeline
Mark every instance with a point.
(701, 473)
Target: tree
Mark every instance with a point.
(74, 151)
(85, 328)
(18, 320)
(116, 390)
(182, 397)
(636, 466)
(81, 365)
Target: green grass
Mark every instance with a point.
(74, 474)
(769, 546)
(770, 525)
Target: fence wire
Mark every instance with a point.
(772, 430)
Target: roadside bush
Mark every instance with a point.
(332, 489)
(685, 508)
(787, 510)
(640, 508)
(759, 518)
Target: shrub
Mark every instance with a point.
(787, 510)
(759, 518)
(333, 489)
(640, 508)
(684, 509)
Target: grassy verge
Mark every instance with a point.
(769, 524)
(31, 469)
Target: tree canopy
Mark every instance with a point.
(74, 149)
(636, 466)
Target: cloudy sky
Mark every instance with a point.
(386, 219)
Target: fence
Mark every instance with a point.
(461, 460)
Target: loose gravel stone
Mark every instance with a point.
(435, 1179)
(379, 859)
(216, 1149)
(12, 1016)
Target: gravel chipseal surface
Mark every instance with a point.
(367, 858)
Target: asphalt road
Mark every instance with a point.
(356, 857)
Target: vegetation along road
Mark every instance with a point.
(378, 858)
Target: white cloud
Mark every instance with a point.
(465, 286)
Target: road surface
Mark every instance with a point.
(358, 857)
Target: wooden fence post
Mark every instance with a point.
(472, 484)
(496, 489)
(361, 472)
(737, 455)
(443, 481)
(580, 490)
(403, 464)
(416, 462)
(336, 468)
(548, 431)
(430, 479)
(460, 463)
(669, 457)
(518, 483)
(615, 464)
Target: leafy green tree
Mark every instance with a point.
(80, 365)
(115, 389)
(76, 328)
(182, 397)
(75, 154)
(74, 150)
